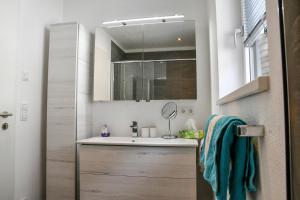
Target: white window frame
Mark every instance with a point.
(250, 63)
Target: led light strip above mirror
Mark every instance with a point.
(142, 21)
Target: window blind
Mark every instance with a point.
(253, 13)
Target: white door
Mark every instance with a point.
(8, 54)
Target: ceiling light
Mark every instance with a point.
(139, 21)
(179, 39)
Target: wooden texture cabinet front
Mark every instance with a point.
(137, 173)
(69, 110)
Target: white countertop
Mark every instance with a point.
(130, 141)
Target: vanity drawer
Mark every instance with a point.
(128, 172)
(159, 162)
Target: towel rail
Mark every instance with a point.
(251, 130)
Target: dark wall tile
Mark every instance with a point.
(117, 54)
(161, 55)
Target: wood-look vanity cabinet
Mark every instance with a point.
(137, 173)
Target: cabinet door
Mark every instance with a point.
(137, 173)
(61, 112)
(102, 66)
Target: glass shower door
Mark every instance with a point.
(128, 81)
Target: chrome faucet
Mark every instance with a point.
(135, 129)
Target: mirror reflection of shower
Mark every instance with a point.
(150, 61)
(154, 79)
(127, 81)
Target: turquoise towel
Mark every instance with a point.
(225, 148)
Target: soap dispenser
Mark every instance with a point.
(105, 131)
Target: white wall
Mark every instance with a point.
(118, 115)
(267, 109)
(230, 57)
(8, 48)
(213, 50)
(32, 58)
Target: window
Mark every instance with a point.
(255, 38)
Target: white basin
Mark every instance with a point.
(130, 141)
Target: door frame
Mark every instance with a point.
(287, 107)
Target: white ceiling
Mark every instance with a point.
(92, 13)
(149, 37)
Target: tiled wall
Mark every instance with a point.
(117, 53)
(180, 82)
(161, 55)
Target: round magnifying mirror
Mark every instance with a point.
(169, 111)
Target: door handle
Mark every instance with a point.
(5, 114)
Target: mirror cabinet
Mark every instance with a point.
(145, 62)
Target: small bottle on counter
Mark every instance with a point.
(105, 131)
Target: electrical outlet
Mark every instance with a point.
(190, 111)
(186, 110)
(182, 110)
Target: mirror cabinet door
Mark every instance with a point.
(126, 59)
(146, 62)
(102, 66)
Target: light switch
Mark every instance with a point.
(24, 111)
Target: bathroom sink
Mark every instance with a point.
(130, 141)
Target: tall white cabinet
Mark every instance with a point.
(69, 109)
